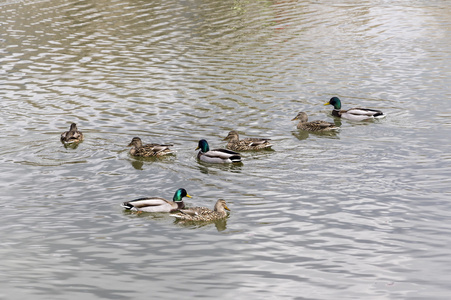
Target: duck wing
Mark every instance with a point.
(223, 154)
(158, 145)
(154, 150)
(150, 204)
(71, 136)
(256, 141)
(194, 213)
(321, 124)
(363, 113)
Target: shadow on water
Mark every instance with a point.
(138, 162)
(257, 154)
(146, 215)
(303, 135)
(220, 225)
(337, 122)
(209, 168)
(71, 145)
(265, 150)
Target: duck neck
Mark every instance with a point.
(138, 144)
(205, 148)
(232, 142)
(219, 208)
(234, 139)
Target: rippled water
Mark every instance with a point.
(361, 214)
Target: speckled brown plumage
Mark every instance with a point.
(234, 142)
(72, 136)
(317, 125)
(148, 150)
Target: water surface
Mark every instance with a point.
(361, 214)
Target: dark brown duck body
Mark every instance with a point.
(234, 142)
(72, 136)
(317, 125)
(203, 214)
(148, 150)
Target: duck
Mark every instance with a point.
(316, 125)
(148, 150)
(355, 114)
(157, 204)
(234, 142)
(218, 156)
(72, 136)
(203, 213)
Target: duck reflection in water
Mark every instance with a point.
(207, 168)
(71, 145)
(138, 162)
(220, 225)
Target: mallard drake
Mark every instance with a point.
(138, 149)
(157, 204)
(203, 213)
(218, 156)
(356, 114)
(72, 136)
(317, 125)
(234, 142)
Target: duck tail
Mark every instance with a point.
(127, 205)
(379, 115)
(178, 216)
(235, 158)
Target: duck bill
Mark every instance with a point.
(188, 196)
(225, 207)
(197, 148)
(294, 119)
(327, 103)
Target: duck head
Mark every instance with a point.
(203, 146)
(73, 127)
(136, 142)
(179, 194)
(302, 116)
(221, 205)
(335, 101)
(232, 136)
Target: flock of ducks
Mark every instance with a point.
(204, 214)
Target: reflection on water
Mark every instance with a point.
(72, 146)
(220, 225)
(303, 135)
(138, 162)
(210, 168)
(337, 122)
(361, 213)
